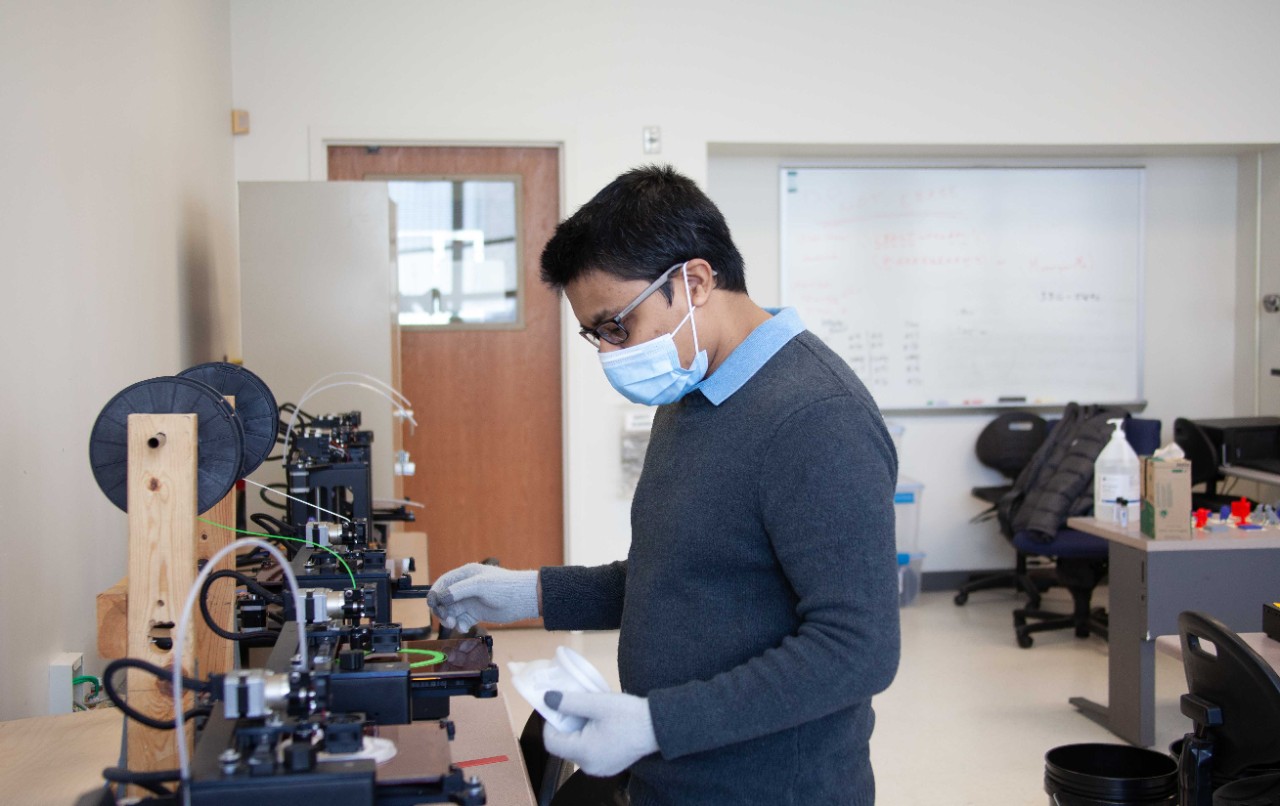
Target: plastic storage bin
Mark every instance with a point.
(906, 512)
(909, 574)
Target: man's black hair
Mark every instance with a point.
(641, 224)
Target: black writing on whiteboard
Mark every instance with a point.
(953, 286)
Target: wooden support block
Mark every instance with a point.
(113, 617)
(215, 655)
(162, 568)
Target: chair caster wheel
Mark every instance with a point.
(1025, 641)
(961, 598)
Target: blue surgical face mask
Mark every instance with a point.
(650, 373)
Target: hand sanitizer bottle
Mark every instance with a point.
(1116, 475)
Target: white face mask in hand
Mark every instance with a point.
(650, 373)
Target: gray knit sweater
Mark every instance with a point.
(758, 604)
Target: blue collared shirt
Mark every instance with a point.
(754, 352)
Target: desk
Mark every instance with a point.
(1228, 576)
(484, 735)
(484, 731)
(1249, 474)
(52, 760)
(55, 759)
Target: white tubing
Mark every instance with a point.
(293, 418)
(403, 400)
(184, 761)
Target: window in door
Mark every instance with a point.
(458, 252)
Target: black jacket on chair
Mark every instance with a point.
(1058, 481)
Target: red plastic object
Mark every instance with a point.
(1240, 509)
(1202, 517)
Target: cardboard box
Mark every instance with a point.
(1166, 499)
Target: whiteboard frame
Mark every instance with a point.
(1138, 404)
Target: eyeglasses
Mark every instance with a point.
(613, 331)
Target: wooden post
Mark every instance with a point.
(215, 655)
(162, 568)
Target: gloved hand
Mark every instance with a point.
(477, 592)
(618, 733)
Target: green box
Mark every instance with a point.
(1166, 499)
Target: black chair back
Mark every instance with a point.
(1233, 696)
(1009, 441)
(1195, 443)
(1202, 454)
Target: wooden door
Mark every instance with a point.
(488, 448)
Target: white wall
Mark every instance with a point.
(589, 75)
(117, 230)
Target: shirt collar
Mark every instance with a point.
(753, 353)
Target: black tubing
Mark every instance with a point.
(262, 493)
(244, 579)
(108, 685)
(150, 781)
(273, 525)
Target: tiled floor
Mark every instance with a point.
(970, 715)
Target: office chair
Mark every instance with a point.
(1006, 445)
(1204, 460)
(1233, 699)
(1081, 561)
(555, 782)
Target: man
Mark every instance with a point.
(758, 602)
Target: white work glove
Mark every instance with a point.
(477, 592)
(618, 733)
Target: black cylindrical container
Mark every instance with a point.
(1109, 775)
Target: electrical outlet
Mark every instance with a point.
(651, 138)
(63, 668)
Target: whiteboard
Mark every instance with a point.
(971, 287)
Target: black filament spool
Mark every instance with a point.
(219, 437)
(255, 407)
